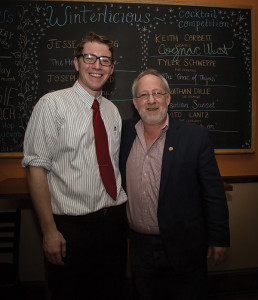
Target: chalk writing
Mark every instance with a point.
(6, 16)
(205, 53)
(87, 15)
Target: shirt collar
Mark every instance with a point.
(84, 95)
(139, 125)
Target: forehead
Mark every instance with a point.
(150, 82)
(96, 48)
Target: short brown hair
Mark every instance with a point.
(93, 37)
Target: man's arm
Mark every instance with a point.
(215, 205)
(54, 244)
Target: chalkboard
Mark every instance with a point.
(204, 52)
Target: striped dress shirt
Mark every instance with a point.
(143, 172)
(60, 138)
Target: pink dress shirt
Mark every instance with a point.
(143, 171)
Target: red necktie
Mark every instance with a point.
(101, 142)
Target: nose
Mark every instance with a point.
(151, 99)
(97, 63)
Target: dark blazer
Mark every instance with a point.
(192, 206)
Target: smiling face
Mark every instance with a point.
(92, 77)
(151, 111)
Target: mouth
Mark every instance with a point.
(152, 108)
(96, 75)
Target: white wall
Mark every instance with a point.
(243, 214)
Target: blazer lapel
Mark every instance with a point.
(130, 133)
(169, 154)
(127, 139)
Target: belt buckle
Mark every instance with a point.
(105, 211)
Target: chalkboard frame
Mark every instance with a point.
(197, 4)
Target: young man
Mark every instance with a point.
(83, 223)
(177, 209)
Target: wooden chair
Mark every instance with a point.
(9, 248)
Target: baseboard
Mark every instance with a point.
(240, 179)
(233, 282)
(220, 283)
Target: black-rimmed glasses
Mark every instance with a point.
(91, 59)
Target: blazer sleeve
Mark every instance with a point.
(127, 137)
(213, 196)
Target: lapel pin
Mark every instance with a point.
(171, 148)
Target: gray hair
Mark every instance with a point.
(149, 72)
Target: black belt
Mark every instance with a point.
(104, 212)
(144, 235)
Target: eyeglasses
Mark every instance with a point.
(155, 95)
(91, 59)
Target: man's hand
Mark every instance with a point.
(217, 254)
(54, 246)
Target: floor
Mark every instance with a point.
(244, 296)
(37, 292)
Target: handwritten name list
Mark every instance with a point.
(205, 53)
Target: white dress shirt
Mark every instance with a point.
(60, 138)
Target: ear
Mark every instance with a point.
(135, 103)
(168, 99)
(76, 64)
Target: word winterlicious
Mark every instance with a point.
(89, 16)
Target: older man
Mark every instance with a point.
(177, 209)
